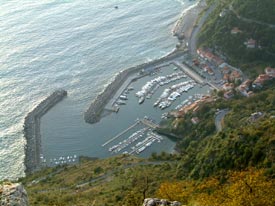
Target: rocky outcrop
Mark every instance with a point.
(32, 130)
(160, 202)
(13, 194)
(93, 113)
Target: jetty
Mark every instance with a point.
(145, 121)
(32, 130)
(121, 133)
(149, 123)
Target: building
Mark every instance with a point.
(228, 94)
(235, 30)
(207, 55)
(235, 76)
(228, 86)
(195, 120)
(260, 80)
(244, 88)
(270, 71)
(250, 43)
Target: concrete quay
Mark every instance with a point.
(189, 72)
(32, 130)
(93, 113)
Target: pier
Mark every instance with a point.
(189, 72)
(120, 134)
(149, 123)
(112, 109)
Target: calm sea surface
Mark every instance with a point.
(77, 46)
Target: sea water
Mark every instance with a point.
(77, 46)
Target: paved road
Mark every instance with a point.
(192, 44)
(219, 117)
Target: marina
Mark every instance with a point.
(125, 116)
(146, 138)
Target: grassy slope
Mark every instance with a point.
(122, 177)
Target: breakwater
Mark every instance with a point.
(32, 130)
(93, 113)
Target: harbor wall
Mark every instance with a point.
(93, 113)
(32, 130)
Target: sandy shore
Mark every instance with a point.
(187, 20)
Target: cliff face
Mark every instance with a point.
(158, 202)
(13, 194)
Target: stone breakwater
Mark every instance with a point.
(93, 113)
(32, 130)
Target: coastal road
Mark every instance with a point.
(192, 45)
(219, 118)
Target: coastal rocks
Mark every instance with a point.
(32, 130)
(13, 194)
(93, 113)
(159, 202)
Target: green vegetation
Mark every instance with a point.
(244, 141)
(258, 10)
(121, 180)
(216, 34)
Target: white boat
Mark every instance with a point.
(121, 102)
(123, 97)
(141, 100)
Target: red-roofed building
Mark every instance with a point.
(209, 56)
(244, 88)
(235, 76)
(228, 86)
(259, 81)
(210, 71)
(235, 30)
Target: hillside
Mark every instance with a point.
(252, 20)
(244, 141)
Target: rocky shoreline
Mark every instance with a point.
(32, 130)
(93, 113)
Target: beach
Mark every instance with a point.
(186, 22)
